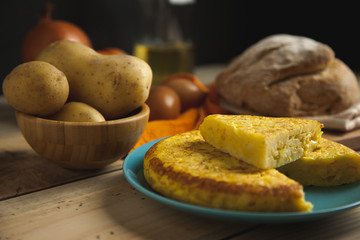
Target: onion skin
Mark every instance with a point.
(112, 51)
(164, 103)
(48, 31)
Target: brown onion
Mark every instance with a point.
(112, 51)
(47, 31)
(192, 92)
(164, 103)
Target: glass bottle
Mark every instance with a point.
(165, 37)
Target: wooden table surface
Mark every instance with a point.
(39, 200)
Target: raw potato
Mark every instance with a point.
(78, 112)
(113, 84)
(36, 88)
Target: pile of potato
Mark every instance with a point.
(72, 82)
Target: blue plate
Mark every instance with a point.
(326, 200)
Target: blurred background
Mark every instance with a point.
(222, 29)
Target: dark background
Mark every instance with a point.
(222, 28)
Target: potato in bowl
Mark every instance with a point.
(83, 145)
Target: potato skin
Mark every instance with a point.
(113, 84)
(36, 88)
(78, 112)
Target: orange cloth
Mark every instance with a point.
(187, 121)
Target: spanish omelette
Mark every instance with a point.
(186, 168)
(331, 164)
(265, 142)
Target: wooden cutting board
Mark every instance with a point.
(350, 139)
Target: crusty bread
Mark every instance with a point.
(285, 75)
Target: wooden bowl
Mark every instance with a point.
(83, 145)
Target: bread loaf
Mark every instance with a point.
(286, 75)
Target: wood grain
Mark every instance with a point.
(103, 207)
(350, 139)
(342, 226)
(22, 170)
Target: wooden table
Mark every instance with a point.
(39, 200)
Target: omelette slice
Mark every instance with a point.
(186, 168)
(265, 142)
(331, 164)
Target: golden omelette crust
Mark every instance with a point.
(265, 142)
(331, 164)
(186, 168)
